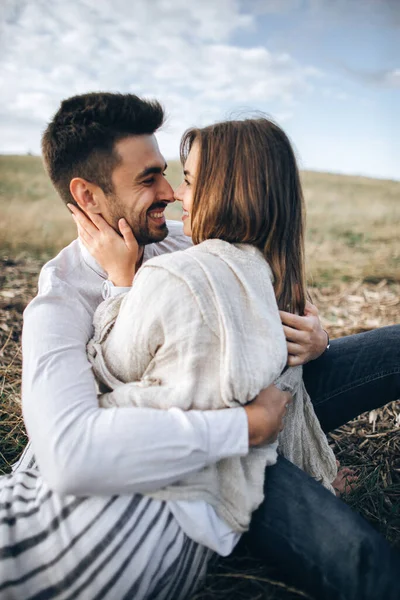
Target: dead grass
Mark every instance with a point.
(353, 228)
(371, 443)
(353, 222)
(354, 259)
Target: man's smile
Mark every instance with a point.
(156, 213)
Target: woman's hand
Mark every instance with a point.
(306, 340)
(117, 255)
(265, 415)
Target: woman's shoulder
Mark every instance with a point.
(216, 254)
(173, 269)
(185, 259)
(242, 258)
(178, 277)
(170, 261)
(193, 269)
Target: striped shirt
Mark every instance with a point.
(114, 547)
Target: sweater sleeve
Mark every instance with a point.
(163, 351)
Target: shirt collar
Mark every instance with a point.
(90, 261)
(149, 252)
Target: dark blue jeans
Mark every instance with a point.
(314, 538)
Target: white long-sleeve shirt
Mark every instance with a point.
(82, 449)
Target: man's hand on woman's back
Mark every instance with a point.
(306, 340)
(265, 415)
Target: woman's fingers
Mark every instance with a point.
(127, 234)
(86, 239)
(116, 254)
(95, 225)
(101, 223)
(81, 219)
(83, 234)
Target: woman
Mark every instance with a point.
(211, 351)
(246, 219)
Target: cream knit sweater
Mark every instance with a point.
(200, 329)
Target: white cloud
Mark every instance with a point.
(382, 78)
(199, 60)
(393, 78)
(180, 52)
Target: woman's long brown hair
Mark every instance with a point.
(247, 190)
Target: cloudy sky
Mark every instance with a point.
(328, 71)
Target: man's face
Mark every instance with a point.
(141, 191)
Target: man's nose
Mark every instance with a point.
(167, 192)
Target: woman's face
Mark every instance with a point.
(184, 193)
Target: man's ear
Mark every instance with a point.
(88, 196)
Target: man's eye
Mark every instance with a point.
(148, 181)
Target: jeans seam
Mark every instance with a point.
(358, 383)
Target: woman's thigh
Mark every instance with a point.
(358, 373)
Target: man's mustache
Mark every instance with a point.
(157, 205)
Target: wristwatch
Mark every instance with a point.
(328, 345)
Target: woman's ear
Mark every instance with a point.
(87, 195)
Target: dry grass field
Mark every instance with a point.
(353, 252)
(353, 222)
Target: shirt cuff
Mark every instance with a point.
(116, 291)
(109, 290)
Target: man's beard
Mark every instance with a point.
(141, 227)
(143, 233)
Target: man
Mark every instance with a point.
(101, 154)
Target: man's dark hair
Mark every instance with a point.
(80, 139)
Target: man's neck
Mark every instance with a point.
(140, 257)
